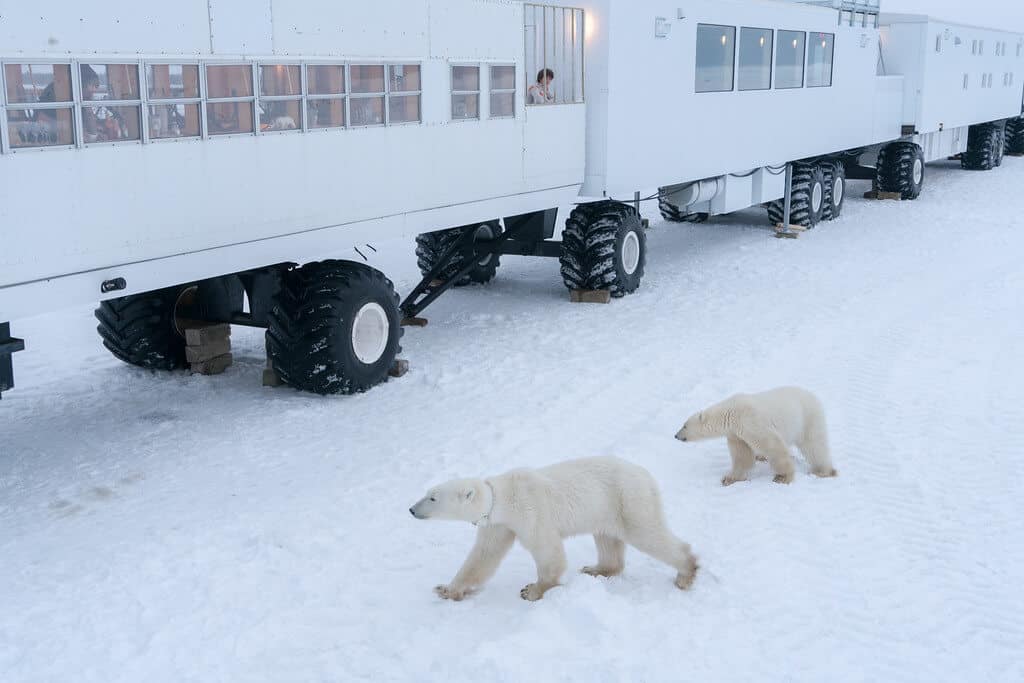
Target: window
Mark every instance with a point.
(368, 92)
(111, 104)
(325, 106)
(716, 53)
(39, 105)
(819, 60)
(967, 80)
(938, 43)
(554, 55)
(503, 92)
(789, 60)
(974, 47)
(981, 47)
(465, 92)
(280, 104)
(230, 101)
(755, 71)
(404, 89)
(176, 88)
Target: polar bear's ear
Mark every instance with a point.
(468, 494)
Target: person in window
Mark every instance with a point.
(91, 129)
(542, 92)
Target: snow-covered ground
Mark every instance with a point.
(177, 528)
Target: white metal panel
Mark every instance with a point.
(382, 29)
(495, 33)
(63, 27)
(241, 27)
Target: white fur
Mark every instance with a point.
(614, 500)
(766, 424)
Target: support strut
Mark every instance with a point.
(8, 346)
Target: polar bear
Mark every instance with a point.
(616, 501)
(766, 424)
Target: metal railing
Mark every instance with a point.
(851, 12)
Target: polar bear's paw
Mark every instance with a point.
(598, 570)
(532, 592)
(825, 474)
(449, 593)
(783, 478)
(684, 579)
(730, 479)
(761, 458)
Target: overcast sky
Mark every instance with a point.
(1008, 14)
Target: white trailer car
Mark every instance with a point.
(231, 161)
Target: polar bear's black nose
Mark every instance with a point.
(412, 512)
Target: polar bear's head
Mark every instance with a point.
(695, 428)
(459, 499)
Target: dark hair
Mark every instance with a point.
(545, 72)
(89, 75)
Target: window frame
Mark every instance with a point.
(80, 103)
(300, 98)
(452, 92)
(352, 95)
(803, 62)
(491, 90)
(308, 97)
(150, 102)
(76, 134)
(831, 62)
(418, 94)
(735, 58)
(771, 59)
(207, 100)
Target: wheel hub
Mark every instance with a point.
(484, 232)
(630, 252)
(918, 171)
(838, 189)
(370, 331)
(817, 195)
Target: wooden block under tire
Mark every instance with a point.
(203, 334)
(214, 366)
(399, 368)
(590, 296)
(209, 351)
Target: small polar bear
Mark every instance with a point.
(616, 501)
(764, 426)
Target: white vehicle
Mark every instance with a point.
(176, 161)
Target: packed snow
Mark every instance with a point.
(167, 527)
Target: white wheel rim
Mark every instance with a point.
(630, 252)
(370, 333)
(918, 171)
(838, 188)
(816, 196)
(484, 232)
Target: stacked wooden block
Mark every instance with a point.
(208, 348)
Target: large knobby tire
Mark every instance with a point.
(1000, 143)
(807, 200)
(900, 168)
(835, 188)
(673, 214)
(142, 330)
(981, 154)
(1015, 136)
(604, 247)
(335, 328)
(431, 246)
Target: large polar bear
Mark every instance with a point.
(614, 500)
(766, 424)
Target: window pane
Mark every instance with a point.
(110, 124)
(38, 83)
(789, 60)
(174, 121)
(172, 81)
(755, 72)
(465, 78)
(503, 78)
(280, 79)
(229, 117)
(367, 111)
(280, 115)
(819, 60)
(465, 107)
(716, 52)
(503, 104)
(110, 82)
(404, 108)
(367, 79)
(40, 128)
(326, 79)
(229, 80)
(326, 113)
(405, 78)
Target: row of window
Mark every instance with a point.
(987, 80)
(978, 47)
(68, 104)
(800, 59)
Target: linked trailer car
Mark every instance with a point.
(227, 161)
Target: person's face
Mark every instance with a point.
(89, 89)
(546, 81)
